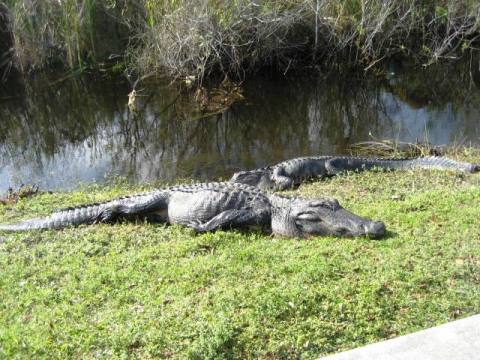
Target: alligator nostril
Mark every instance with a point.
(375, 229)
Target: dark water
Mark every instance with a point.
(59, 133)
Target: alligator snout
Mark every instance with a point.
(374, 229)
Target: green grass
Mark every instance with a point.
(152, 291)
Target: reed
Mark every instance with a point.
(70, 33)
(204, 37)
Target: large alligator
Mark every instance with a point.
(290, 173)
(209, 206)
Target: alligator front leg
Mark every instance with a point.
(228, 218)
(281, 179)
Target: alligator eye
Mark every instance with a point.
(329, 205)
(309, 216)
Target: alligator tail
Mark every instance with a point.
(69, 217)
(427, 162)
(445, 163)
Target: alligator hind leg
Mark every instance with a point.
(227, 218)
(108, 215)
(282, 181)
(150, 207)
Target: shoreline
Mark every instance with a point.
(137, 289)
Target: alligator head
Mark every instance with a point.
(303, 217)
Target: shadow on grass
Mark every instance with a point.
(388, 235)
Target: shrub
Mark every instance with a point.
(204, 37)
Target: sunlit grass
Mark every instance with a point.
(154, 291)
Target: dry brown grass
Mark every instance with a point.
(203, 37)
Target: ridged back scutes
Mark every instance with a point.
(345, 157)
(426, 161)
(98, 204)
(186, 188)
(214, 186)
(278, 200)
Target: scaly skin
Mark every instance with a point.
(209, 206)
(290, 173)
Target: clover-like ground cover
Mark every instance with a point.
(153, 291)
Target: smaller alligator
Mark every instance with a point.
(290, 173)
(210, 206)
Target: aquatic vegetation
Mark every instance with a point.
(6, 42)
(68, 32)
(203, 37)
(246, 36)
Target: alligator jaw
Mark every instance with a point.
(374, 229)
(347, 224)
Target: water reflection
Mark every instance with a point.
(56, 134)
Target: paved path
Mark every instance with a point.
(457, 340)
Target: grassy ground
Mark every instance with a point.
(150, 291)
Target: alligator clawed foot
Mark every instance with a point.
(107, 215)
(197, 226)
